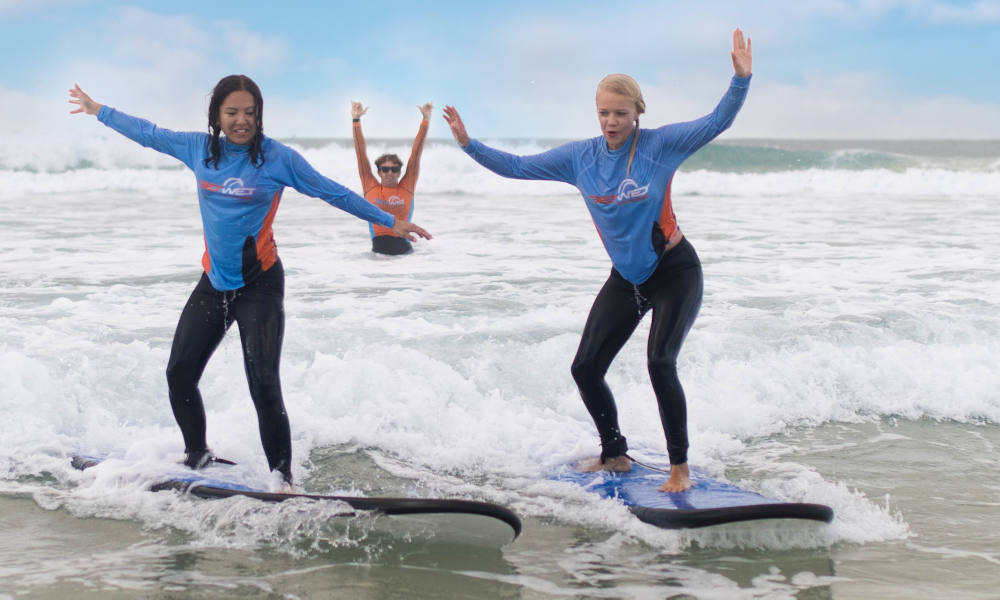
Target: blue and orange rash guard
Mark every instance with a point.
(398, 200)
(238, 201)
(625, 208)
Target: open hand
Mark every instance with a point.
(457, 126)
(405, 229)
(426, 109)
(84, 103)
(742, 55)
(357, 110)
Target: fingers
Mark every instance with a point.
(407, 229)
(450, 114)
(357, 109)
(738, 42)
(79, 98)
(421, 232)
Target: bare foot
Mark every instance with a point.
(619, 464)
(680, 479)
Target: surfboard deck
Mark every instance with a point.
(463, 521)
(708, 502)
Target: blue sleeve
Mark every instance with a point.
(553, 165)
(688, 137)
(187, 147)
(295, 172)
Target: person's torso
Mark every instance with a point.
(397, 201)
(631, 207)
(238, 202)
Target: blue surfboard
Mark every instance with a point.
(469, 522)
(708, 502)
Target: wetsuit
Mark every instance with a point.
(397, 200)
(634, 217)
(243, 279)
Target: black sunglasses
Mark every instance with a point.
(385, 169)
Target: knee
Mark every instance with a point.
(263, 377)
(180, 376)
(588, 371)
(583, 370)
(661, 363)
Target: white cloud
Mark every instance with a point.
(16, 7)
(859, 106)
(163, 68)
(253, 50)
(977, 13)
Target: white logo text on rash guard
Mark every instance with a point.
(231, 187)
(629, 191)
(392, 201)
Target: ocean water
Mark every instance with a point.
(845, 354)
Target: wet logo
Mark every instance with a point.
(392, 201)
(628, 192)
(231, 187)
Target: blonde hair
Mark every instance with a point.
(623, 85)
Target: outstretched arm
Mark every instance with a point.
(742, 55)
(364, 166)
(413, 164)
(184, 146)
(84, 103)
(553, 165)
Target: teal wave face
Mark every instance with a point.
(757, 159)
(761, 156)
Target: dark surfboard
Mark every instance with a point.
(470, 521)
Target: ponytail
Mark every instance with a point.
(631, 152)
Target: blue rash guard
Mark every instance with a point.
(238, 201)
(631, 211)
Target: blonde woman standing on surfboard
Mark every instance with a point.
(624, 176)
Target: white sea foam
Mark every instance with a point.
(831, 295)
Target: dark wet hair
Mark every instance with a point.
(386, 158)
(227, 85)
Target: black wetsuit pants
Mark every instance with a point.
(390, 244)
(258, 310)
(673, 292)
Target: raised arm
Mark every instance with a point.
(409, 178)
(690, 136)
(364, 165)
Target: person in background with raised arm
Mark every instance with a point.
(240, 175)
(391, 193)
(624, 176)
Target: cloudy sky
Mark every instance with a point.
(516, 68)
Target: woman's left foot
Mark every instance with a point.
(618, 464)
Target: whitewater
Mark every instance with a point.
(845, 354)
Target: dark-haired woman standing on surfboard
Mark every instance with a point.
(240, 174)
(624, 176)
